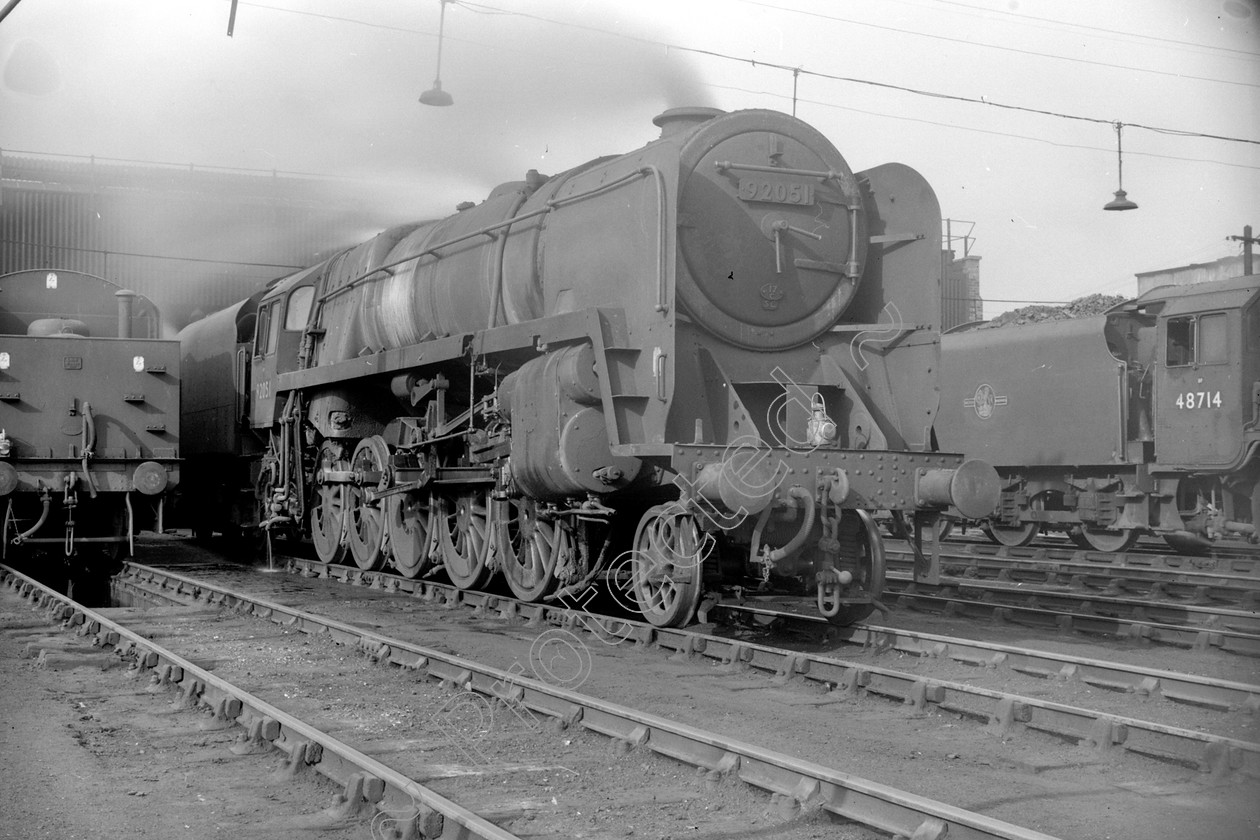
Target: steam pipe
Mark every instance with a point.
(131, 526)
(125, 297)
(490, 230)
(43, 517)
(89, 441)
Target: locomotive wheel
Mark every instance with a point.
(1108, 539)
(365, 521)
(667, 565)
(466, 538)
(1004, 535)
(531, 548)
(862, 550)
(409, 523)
(328, 513)
(1019, 535)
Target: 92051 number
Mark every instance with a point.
(1199, 399)
(776, 191)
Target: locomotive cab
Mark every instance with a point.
(282, 318)
(1205, 377)
(1207, 405)
(1154, 419)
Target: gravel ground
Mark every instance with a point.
(87, 753)
(1033, 780)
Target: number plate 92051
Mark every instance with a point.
(776, 191)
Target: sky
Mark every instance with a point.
(1007, 107)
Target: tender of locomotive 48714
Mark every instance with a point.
(1145, 420)
(89, 415)
(701, 363)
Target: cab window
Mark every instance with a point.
(262, 334)
(273, 340)
(299, 308)
(1180, 342)
(1213, 339)
(1198, 340)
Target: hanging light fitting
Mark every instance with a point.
(1121, 201)
(435, 95)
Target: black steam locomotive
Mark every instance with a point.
(89, 417)
(701, 363)
(1144, 420)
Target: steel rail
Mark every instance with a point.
(1224, 695)
(365, 778)
(1012, 596)
(811, 786)
(1005, 713)
(1084, 621)
(1242, 560)
(1173, 584)
(1076, 571)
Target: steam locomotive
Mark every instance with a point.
(1143, 420)
(89, 417)
(698, 365)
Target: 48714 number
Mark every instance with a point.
(1199, 399)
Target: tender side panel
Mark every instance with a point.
(129, 388)
(1036, 395)
(213, 404)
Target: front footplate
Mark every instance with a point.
(861, 479)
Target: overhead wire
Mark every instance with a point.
(1032, 20)
(971, 42)
(485, 8)
(991, 132)
(854, 80)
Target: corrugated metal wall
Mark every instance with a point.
(47, 228)
(190, 241)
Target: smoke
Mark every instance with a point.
(331, 90)
(320, 93)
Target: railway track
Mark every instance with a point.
(1169, 578)
(370, 785)
(1190, 602)
(399, 796)
(1191, 626)
(1137, 680)
(942, 679)
(1236, 559)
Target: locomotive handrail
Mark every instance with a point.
(1122, 410)
(551, 204)
(822, 174)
